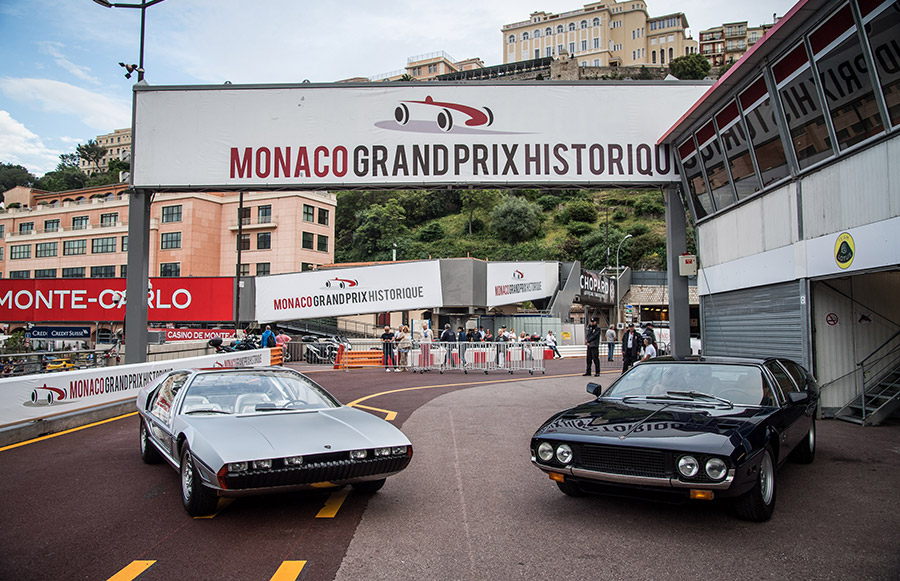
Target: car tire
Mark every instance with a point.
(570, 488)
(758, 503)
(805, 452)
(369, 486)
(149, 453)
(198, 500)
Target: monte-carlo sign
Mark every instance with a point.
(317, 136)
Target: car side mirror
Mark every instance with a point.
(798, 397)
(594, 389)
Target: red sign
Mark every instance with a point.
(831, 319)
(196, 334)
(103, 299)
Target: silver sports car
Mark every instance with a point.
(231, 432)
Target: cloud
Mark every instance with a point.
(54, 50)
(95, 110)
(20, 146)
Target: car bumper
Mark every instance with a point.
(637, 481)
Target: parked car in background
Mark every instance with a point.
(696, 428)
(59, 365)
(233, 432)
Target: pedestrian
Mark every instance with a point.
(611, 337)
(387, 347)
(648, 332)
(403, 346)
(425, 347)
(448, 338)
(592, 340)
(551, 344)
(649, 349)
(488, 336)
(268, 338)
(481, 334)
(461, 339)
(631, 348)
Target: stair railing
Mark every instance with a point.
(877, 365)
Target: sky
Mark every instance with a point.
(61, 83)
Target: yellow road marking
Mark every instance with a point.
(131, 572)
(223, 504)
(63, 433)
(333, 504)
(288, 571)
(388, 415)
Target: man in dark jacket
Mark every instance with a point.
(631, 347)
(592, 339)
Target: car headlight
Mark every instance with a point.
(237, 466)
(357, 454)
(293, 461)
(564, 454)
(688, 466)
(398, 450)
(262, 464)
(545, 452)
(716, 469)
(382, 451)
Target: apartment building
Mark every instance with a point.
(117, 144)
(84, 233)
(425, 67)
(600, 34)
(725, 44)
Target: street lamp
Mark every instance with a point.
(618, 313)
(143, 7)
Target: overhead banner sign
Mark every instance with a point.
(104, 299)
(195, 334)
(515, 282)
(52, 333)
(336, 292)
(346, 135)
(597, 289)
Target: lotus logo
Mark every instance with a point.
(517, 274)
(340, 283)
(844, 250)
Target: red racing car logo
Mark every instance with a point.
(477, 117)
(518, 274)
(47, 395)
(340, 283)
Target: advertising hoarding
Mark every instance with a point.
(597, 289)
(515, 282)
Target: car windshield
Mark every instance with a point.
(738, 384)
(253, 392)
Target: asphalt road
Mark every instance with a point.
(470, 505)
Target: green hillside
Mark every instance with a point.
(559, 225)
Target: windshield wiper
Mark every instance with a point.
(207, 411)
(700, 394)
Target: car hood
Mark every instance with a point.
(234, 438)
(716, 429)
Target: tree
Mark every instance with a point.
(62, 180)
(379, 227)
(92, 152)
(690, 67)
(482, 201)
(12, 176)
(67, 161)
(579, 211)
(516, 220)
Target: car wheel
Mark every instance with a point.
(570, 488)
(805, 452)
(758, 503)
(197, 499)
(149, 453)
(369, 485)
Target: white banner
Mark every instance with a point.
(335, 292)
(429, 134)
(514, 282)
(30, 397)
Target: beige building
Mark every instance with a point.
(727, 43)
(425, 67)
(117, 144)
(84, 233)
(600, 34)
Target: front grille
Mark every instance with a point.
(321, 471)
(621, 460)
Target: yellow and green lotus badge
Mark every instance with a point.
(844, 250)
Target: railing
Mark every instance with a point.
(877, 365)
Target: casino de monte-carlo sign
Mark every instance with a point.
(391, 134)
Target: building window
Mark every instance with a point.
(882, 33)
(45, 273)
(512, 38)
(109, 219)
(171, 214)
(559, 49)
(45, 249)
(170, 241)
(548, 51)
(322, 243)
(537, 53)
(1, 256)
(307, 240)
(103, 272)
(571, 26)
(548, 31)
(244, 214)
(103, 245)
(264, 214)
(584, 24)
(75, 272)
(263, 268)
(559, 29)
(309, 213)
(583, 45)
(79, 222)
(245, 270)
(525, 36)
(264, 241)
(19, 274)
(26, 227)
(596, 22)
(714, 162)
(123, 271)
(124, 243)
(169, 269)
(537, 33)
(51, 225)
(597, 43)
(737, 151)
(20, 251)
(244, 242)
(73, 247)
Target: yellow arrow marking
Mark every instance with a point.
(288, 571)
(131, 572)
(388, 415)
(333, 504)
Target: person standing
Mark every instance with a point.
(650, 334)
(631, 347)
(592, 340)
(448, 338)
(551, 344)
(267, 334)
(611, 337)
(403, 346)
(461, 339)
(387, 347)
(427, 339)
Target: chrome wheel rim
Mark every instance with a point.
(767, 479)
(187, 477)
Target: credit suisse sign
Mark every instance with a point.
(104, 299)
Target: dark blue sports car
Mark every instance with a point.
(695, 428)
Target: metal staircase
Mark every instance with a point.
(879, 380)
